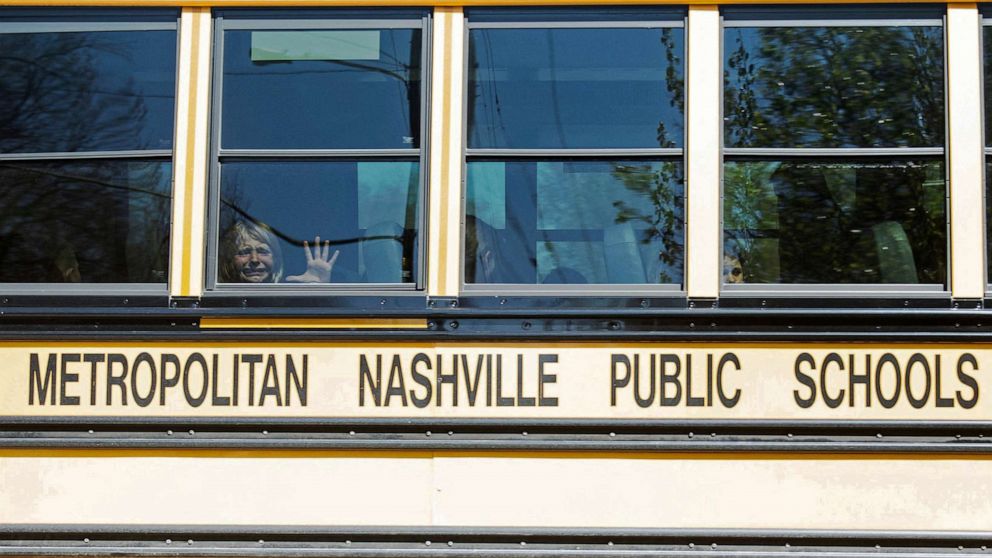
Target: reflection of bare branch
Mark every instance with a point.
(56, 97)
(79, 178)
(295, 241)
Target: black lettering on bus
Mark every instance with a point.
(832, 402)
(443, 378)
(663, 361)
(35, 382)
(968, 380)
(941, 400)
(375, 385)
(301, 386)
(166, 381)
(270, 383)
(252, 360)
(472, 387)
(691, 401)
(422, 380)
(917, 402)
(546, 378)
(501, 400)
(643, 401)
(116, 380)
(144, 358)
(521, 400)
(864, 379)
(728, 402)
(216, 399)
(888, 402)
(396, 386)
(195, 358)
(93, 359)
(489, 376)
(68, 377)
(806, 380)
(617, 382)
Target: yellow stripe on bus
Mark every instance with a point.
(190, 153)
(313, 323)
(420, 3)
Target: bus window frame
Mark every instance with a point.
(985, 22)
(296, 18)
(867, 16)
(522, 291)
(97, 20)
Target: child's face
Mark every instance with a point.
(732, 270)
(253, 260)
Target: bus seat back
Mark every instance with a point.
(382, 253)
(895, 255)
(622, 255)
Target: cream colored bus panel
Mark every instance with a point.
(499, 381)
(510, 491)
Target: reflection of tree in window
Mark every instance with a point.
(834, 87)
(107, 219)
(664, 219)
(663, 187)
(96, 220)
(56, 98)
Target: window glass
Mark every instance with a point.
(319, 162)
(87, 104)
(586, 110)
(87, 91)
(574, 222)
(834, 127)
(816, 221)
(987, 53)
(321, 89)
(575, 88)
(363, 212)
(805, 86)
(91, 221)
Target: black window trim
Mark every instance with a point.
(557, 18)
(324, 18)
(882, 16)
(68, 20)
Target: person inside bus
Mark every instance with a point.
(250, 253)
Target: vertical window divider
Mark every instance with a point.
(445, 184)
(192, 144)
(965, 158)
(704, 138)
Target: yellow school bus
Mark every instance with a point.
(467, 278)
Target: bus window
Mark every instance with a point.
(834, 146)
(86, 127)
(987, 58)
(318, 161)
(574, 154)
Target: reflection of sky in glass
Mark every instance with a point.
(834, 87)
(575, 88)
(96, 91)
(330, 104)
